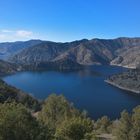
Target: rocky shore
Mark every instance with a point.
(121, 87)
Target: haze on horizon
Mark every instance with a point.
(62, 21)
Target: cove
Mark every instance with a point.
(86, 89)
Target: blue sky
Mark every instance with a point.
(67, 20)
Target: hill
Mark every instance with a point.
(8, 49)
(8, 68)
(129, 81)
(9, 93)
(120, 51)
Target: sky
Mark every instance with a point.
(68, 20)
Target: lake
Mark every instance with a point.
(85, 88)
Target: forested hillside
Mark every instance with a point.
(10, 94)
(8, 68)
(58, 119)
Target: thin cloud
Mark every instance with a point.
(2, 36)
(14, 35)
(24, 33)
(6, 31)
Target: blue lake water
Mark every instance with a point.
(85, 88)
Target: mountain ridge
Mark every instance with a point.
(122, 51)
(10, 48)
(83, 52)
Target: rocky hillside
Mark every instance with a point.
(121, 51)
(129, 80)
(8, 49)
(63, 64)
(128, 58)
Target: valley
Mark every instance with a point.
(37, 55)
(85, 88)
(82, 71)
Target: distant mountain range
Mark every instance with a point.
(36, 53)
(8, 49)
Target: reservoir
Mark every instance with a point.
(86, 89)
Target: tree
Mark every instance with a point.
(17, 123)
(122, 131)
(135, 132)
(55, 110)
(75, 129)
(9, 93)
(102, 125)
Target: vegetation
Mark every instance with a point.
(55, 110)
(129, 80)
(122, 131)
(129, 125)
(7, 68)
(17, 123)
(58, 119)
(9, 93)
(76, 128)
(103, 125)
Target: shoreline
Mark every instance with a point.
(125, 66)
(122, 88)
